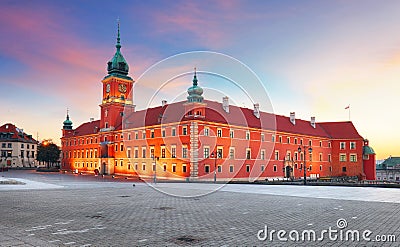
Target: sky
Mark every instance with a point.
(311, 57)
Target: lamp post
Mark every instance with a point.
(155, 159)
(304, 148)
(213, 155)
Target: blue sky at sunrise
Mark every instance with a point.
(312, 57)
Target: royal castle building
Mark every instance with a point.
(199, 139)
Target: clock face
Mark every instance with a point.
(108, 88)
(122, 88)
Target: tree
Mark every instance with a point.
(48, 153)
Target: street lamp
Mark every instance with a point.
(304, 165)
(215, 156)
(155, 159)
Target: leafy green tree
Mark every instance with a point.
(48, 153)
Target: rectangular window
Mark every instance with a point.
(116, 163)
(122, 147)
(163, 152)
(219, 132)
(320, 143)
(262, 154)
(184, 130)
(230, 168)
(320, 167)
(275, 168)
(128, 152)
(152, 134)
(247, 135)
(247, 168)
(184, 152)
(129, 137)
(136, 135)
(280, 139)
(344, 169)
(173, 131)
(262, 137)
(342, 145)
(183, 168)
(207, 169)
(136, 153)
(206, 131)
(320, 157)
(329, 158)
(163, 132)
(231, 133)
(206, 152)
(248, 153)
(273, 138)
(143, 166)
(144, 134)
(173, 167)
(295, 141)
(220, 152)
(219, 168)
(121, 163)
(22, 145)
(288, 140)
(276, 155)
(310, 143)
(165, 167)
(342, 158)
(143, 152)
(296, 156)
(352, 145)
(232, 153)
(136, 167)
(116, 147)
(173, 151)
(22, 153)
(152, 152)
(353, 157)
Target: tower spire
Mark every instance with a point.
(67, 124)
(118, 65)
(118, 45)
(195, 77)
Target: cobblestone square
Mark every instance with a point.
(89, 211)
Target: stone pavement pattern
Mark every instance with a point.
(88, 212)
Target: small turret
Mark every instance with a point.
(67, 124)
(195, 91)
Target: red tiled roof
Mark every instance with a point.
(86, 129)
(239, 116)
(341, 130)
(17, 134)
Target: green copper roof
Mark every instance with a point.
(118, 66)
(195, 91)
(391, 163)
(368, 150)
(67, 123)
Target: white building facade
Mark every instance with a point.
(17, 149)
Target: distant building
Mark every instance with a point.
(203, 139)
(389, 170)
(17, 148)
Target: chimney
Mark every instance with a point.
(225, 104)
(292, 118)
(163, 103)
(313, 122)
(256, 110)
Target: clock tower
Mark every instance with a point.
(117, 91)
